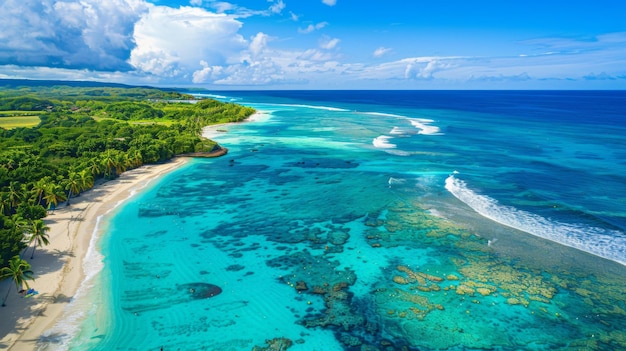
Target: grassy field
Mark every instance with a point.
(165, 122)
(25, 121)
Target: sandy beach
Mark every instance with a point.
(215, 130)
(58, 266)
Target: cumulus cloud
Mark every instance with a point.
(381, 51)
(86, 34)
(258, 44)
(134, 41)
(172, 42)
(207, 73)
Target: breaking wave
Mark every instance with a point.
(606, 243)
(382, 142)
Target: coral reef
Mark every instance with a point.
(276, 344)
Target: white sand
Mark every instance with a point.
(58, 266)
(214, 131)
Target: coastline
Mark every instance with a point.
(58, 266)
(215, 130)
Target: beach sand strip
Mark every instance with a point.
(58, 266)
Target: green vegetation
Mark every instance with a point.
(83, 135)
(24, 121)
(17, 270)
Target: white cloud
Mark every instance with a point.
(316, 55)
(311, 27)
(381, 51)
(277, 7)
(294, 17)
(132, 41)
(330, 2)
(172, 42)
(207, 73)
(328, 43)
(88, 34)
(258, 44)
(222, 7)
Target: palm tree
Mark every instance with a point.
(9, 163)
(38, 190)
(54, 194)
(135, 158)
(108, 162)
(19, 223)
(15, 194)
(38, 235)
(121, 162)
(19, 271)
(95, 167)
(86, 179)
(5, 205)
(73, 185)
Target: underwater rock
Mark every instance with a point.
(374, 222)
(201, 290)
(338, 311)
(400, 280)
(137, 301)
(276, 344)
(301, 286)
(338, 238)
(464, 290)
(483, 291)
(350, 340)
(235, 267)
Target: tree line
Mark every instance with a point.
(87, 135)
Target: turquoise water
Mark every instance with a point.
(348, 220)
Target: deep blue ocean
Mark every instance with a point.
(376, 220)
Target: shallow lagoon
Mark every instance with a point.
(317, 230)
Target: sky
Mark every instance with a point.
(318, 44)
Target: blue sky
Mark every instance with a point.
(318, 44)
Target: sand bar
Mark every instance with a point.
(58, 266)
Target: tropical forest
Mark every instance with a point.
(58, 139)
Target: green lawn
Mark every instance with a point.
(26, 121)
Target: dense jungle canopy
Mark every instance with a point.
(58, 139)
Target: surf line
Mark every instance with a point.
(609, 244)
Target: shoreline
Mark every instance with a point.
(58, 267)
(215, 130)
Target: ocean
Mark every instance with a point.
(374, 220)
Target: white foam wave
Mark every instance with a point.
(424, 126)
(382, 142)
(215, 96)
(609, 244)
(397, 131)
(68, 326)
